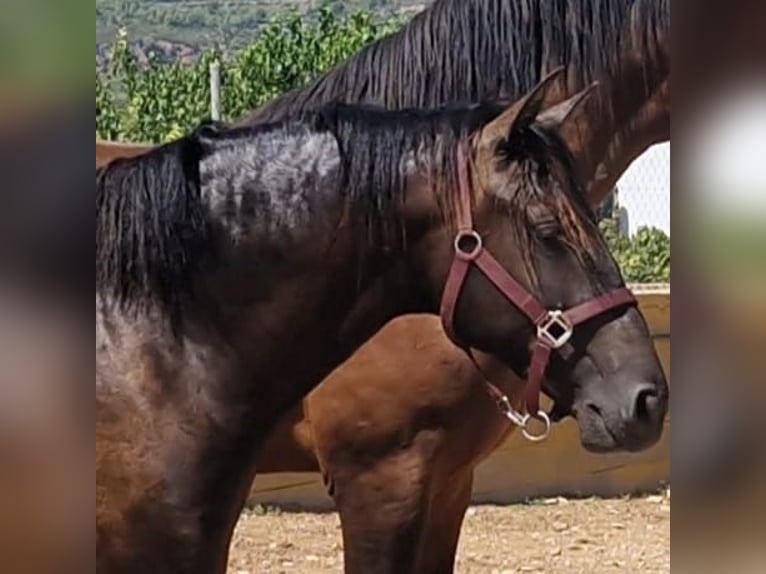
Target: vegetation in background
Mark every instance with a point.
(157, 101)
(644, 257)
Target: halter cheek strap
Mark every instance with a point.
(554, 327)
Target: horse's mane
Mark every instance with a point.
(376, 144)
(153, 231)
(443, 54)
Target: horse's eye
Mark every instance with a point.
(547, 230)
(544, 224)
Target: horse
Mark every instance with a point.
(106, 151)
(464, 51)
(222, 253)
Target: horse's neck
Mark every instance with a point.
(382, 73)
(636, 109)
(646, 126)
(255, 339)
(300, 275)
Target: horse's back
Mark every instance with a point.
(107, 151)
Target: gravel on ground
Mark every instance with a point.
(554, 536)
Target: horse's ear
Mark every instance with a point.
(569, 111)
(574, 121)
(521, 114)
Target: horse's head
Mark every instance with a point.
(531, 280)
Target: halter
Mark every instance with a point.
(554, 327)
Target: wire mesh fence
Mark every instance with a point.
(643, 192)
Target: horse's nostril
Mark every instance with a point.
(646, 403)
(595, 409)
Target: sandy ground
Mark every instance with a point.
(553, 536)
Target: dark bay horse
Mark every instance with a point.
(221, 254)
(457, 50)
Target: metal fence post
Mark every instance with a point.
(215, 90)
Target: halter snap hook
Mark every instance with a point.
(522, 420)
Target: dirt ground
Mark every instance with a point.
(552, 536)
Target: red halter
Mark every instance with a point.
(548, 322)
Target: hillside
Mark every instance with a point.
(228, 23)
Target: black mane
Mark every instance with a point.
(153, 232)
(375, 144)
(449, 53)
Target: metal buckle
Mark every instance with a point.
(555, 318)
(522, 420)
(474, 253)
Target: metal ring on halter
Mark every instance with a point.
(475, 237)
(539, 437)
(555, 318)
(521, 420)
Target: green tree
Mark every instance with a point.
(159, 101)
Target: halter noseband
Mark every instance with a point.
(554, 327)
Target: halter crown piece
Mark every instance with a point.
(554, 327)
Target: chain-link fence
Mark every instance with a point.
(643, 192)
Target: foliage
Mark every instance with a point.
(643, 258)
(159, 101)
